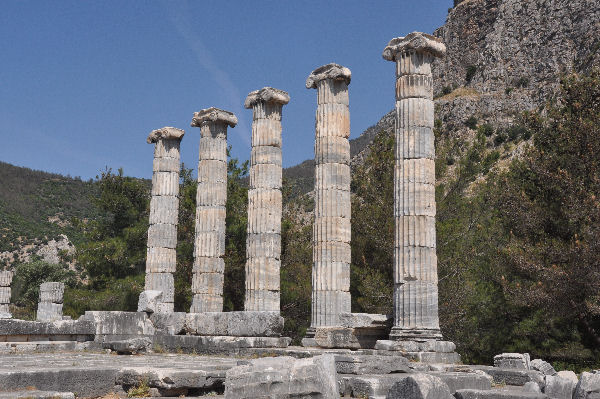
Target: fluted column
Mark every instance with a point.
(331, 230)
(211, 198)
(263, 243)
(5, 281)
(415, 261)
(164, 212)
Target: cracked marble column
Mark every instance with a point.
(5, 282)
(415, 261)
(331, 230)
(159, 289)
(50, 306)
(211, 198)
(263, 243)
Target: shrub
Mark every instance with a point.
(471, 123)
(500, 138)
(522, 82)
(508, 90)
(471, 70)
(29, 276)
(516, 131)
(486, 129)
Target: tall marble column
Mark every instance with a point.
(5, 281)
(415, 261)
(211, 198)
(263, 244)
(164, 213)
(331, 230)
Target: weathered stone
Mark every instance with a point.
(415, 263)
(267, 95)
(568, 375)
(52, 292)
(512, 361)
(416, 346)
(512, 376)
(63, 330)
(497, 394)
(243, 324)
(5, 311)
(558, 387)
(6, 278)
(330, 71)
(149, 300)
(283, 377)
(371, 364)
(353, 320)
(165, 133)
(336, 337)
(464, 380)
(542, 366)
(419, 386)
(211, 197)
(35, 394)
(48, 311)
(129, 346)
(161, 282)
(168, 323)
(531, 387)
(113, 326)
(173, 381)
(588, 386)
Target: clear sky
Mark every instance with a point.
(82, 83)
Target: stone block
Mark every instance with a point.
(332, 120)
(588, 386)
(283, 377)
(36, 394)
(210, 218)
(204, 264)
(512, 361)
(568, 375)
(353, 320)
(264, 198)
(129, 346)
(497, 394)
(167, 149)
(414, 112)
(212, 171)
(120, 323)
(162, 235)
(327, 229)
(262, 274)
(165, 183)
(415, 199)
(262, 300)
(327, 305)
(414, 143)
(214, 149)
(4, 295)
(206, 303)
(419, 386)
(6, 278)
(332, 203)
(264, 220)
(332, 252)
(161, 282)
(336, 337)
(542, 366)
(166, 164)
(161, 260)
(266, 176)
(263, 245)
(211, 194)
(5, 311)
(265, 155)
(48, 311)
(559, 388)
(420, 86)
(331, 149)
(464, 380)
(64, 328)
(52, 292)
(370, 364)
(242, 324)
(149, 300)
(209, 243)
(207, 283)
(531, 387)
(168, 323)
(513, 376)
(164, 209)
(229, 346)
(266, 133)
(332, 176)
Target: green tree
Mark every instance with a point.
(115, 245)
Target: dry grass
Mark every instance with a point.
(461, 92)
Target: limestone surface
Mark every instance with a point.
(415, 262)
(512, 361)
(588, 386)
(263, 245)
(283, 377)
(542, 366)
(211, 197)
(331, 229)
(419, 386)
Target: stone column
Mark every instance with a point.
(162, 231)
(211, 198)
(263, 244)
(51, 301)
(331, 230)
(415, 261)
(5, 281)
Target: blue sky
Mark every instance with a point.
(82, 83)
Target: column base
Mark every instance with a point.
(415, 334)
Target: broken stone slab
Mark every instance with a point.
(512, 361)
(52, 292)
(416, 346)
(172, 381)
(214, 345)
(463, 380)
(371, 364)
(242, 324)
(542, 366)
(129, 346)
(568, 375)
(6, 278)
(419, 386)
(588, 386)
(517, 377)
(149, 300)
(168, 323)
(531, 387)
(334, 337)
(5, 311)
(558, 387)
(35, 394)
(48, 311)
(497, 394)
(284, 377)
(365, 320)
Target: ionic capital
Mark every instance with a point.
(165, 133)
(213, 114)
(268, 95)
(329, 71)
(420, 42)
